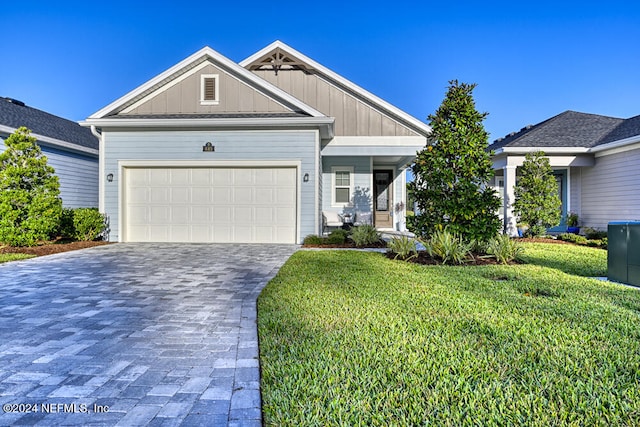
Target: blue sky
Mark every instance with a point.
(531, 60)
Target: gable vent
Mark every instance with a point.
(209, 89)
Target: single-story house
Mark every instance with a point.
(71, 149)
(595, 159)
(258, 151)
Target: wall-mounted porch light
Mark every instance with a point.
(110, 177)
(305, 178)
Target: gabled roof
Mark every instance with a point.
(569, 129)
(44, 126)
(205, 54)
(278, 54)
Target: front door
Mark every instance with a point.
(382, 185)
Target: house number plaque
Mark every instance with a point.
(208, 147)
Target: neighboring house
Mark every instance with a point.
(215, 151)
(70, 149)
(596, 161)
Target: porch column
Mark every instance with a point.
(508, 197)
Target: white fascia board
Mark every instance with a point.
(324, 124)
(386, 141)
(217, 57)
(342, 81)
(68, 146)
(616, 144)
(546, 150)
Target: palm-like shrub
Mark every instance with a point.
(404, 248)
(363, 235)
(449, 247)
(504, 249)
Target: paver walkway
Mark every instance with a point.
(134, 334)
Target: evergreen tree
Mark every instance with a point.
(30, 204)
(537, 202)
(452, 173)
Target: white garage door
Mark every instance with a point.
(242, 205)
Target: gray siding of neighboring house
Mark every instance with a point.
(184, 97)
(575, 190)
(353, 116)
(77, 174)
(362, 182)
(610, 190)
(229, 145)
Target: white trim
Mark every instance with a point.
(325, 124)
(208, 163)
(216, 89)
(633, 140)
(207, 52)
(54, 142)
(387, 141)
(335, 169)
(340, 80)
(318, 177)
(615, 149)
(547, 150)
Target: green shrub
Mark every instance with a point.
(404, 248)
(89, 223)
(536, 195)
(605, 242)
(338, 236)
(573, 238)
(504, 249)
(448, 247)
(593, 234)
(598, 243)
(66, 230)
(312, 239)
(363, 235)
(30, 204)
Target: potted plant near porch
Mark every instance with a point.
(572, 223)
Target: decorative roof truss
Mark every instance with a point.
(279, 60)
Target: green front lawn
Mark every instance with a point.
(352, 338)
(13, 257)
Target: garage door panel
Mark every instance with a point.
(159, 214)
(157, 176)
(202, 195)
(242, 195)
(201, 177)
(211, 205)
(222, 196)
(201, 214)
(180, 195)
(159, 195)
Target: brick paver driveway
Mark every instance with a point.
(134, 334)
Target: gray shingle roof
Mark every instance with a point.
(568, 129)
(15, 114)
(628, 128)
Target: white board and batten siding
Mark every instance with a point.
(610, 190)
(248, 190)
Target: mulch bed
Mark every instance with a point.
(50, 248)
(347, 245)
(424, 259)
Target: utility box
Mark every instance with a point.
(623, 258)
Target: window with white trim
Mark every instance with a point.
(209, 89)
(341, 185)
